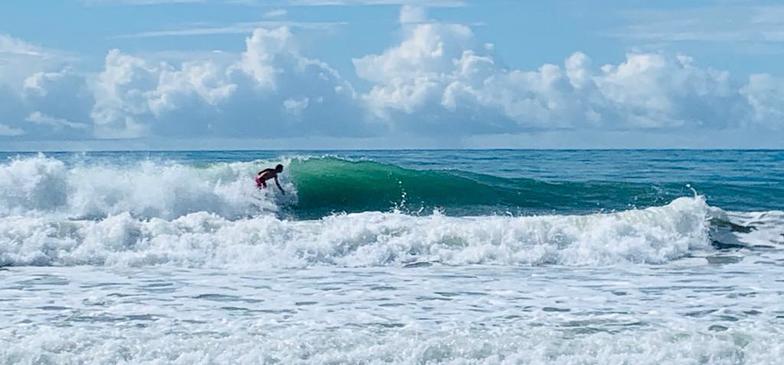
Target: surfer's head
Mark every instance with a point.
(279, 168)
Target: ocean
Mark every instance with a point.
(410, 257)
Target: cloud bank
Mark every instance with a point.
(439, 81)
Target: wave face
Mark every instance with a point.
(326, 185)
(346, 213)
(651, 235)
(318, 187)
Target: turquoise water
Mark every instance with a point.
(506, 180)
(461, 257)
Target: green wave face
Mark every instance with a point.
(326, 185)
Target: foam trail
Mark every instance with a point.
(652, 235)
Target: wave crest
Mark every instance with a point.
(317, 187)
(43, 185)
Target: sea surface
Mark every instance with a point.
(411, 257)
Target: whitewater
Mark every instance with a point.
(461, 257)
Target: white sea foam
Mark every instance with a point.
(766, 227)
(159, 262)
(719, 314)
(42, 185)
(165, 213)
(651, 235)
(253, 344)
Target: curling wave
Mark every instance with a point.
(318, 187)
(342, 213)
(330, 184)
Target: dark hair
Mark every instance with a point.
(279, 168)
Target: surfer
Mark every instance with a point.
(266, 174)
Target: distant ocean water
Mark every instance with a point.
(443, 256)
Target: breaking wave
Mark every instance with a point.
(147, 189)
(651, 235)
(319, 187)
(159, 213)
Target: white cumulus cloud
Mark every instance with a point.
(765, 94)
(438, 81)
(243, 97)
(440, 77)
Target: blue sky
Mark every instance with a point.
(84, 74)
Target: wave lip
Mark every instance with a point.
(652, 235)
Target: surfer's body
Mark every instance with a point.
(267, 174)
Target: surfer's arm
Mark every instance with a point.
(278, 184)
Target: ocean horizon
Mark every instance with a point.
(372, 182)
